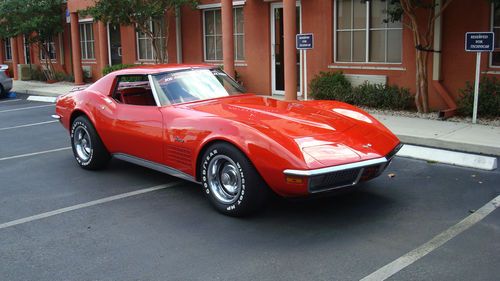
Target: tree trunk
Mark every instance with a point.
(422, 82)
(157, 50)
(49, 72)
(166, 32)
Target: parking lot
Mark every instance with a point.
(60, 222)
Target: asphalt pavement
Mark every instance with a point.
(60, 222)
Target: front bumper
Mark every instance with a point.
(325, 179)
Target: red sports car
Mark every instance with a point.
(196, 123)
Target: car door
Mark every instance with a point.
(136, 124)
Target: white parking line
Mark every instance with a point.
(34, 153)
(28, 125)
(25, 108)
(436, 242)
(85, 205)
(5, 101)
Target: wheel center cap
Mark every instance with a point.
(226, 179)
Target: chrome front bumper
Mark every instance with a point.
(329, 178)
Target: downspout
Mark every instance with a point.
(61, 49)
(178, 34)
(436, 69)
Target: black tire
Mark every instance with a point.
(231, 182)
(3, 93)
(88, 149)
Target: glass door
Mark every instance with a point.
(115, 44)
(277, 58)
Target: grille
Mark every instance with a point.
(179, 154)
(372, 172)
(333, 180)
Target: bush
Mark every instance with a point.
(37, 74)
(331, 86)
(382, 96)
(335, 86)
(61, 76)
(110, 68)
(489, 98)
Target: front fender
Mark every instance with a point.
(269, 152)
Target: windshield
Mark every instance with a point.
(192, 85)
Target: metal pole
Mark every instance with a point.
(476, 87)
(305, 74)
(301, 72)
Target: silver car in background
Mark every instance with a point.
(5, 80)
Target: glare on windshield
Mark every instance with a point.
(193, 85)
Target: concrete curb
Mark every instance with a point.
(449, 157)
(42, 98)
(450, 145)
(36, 93)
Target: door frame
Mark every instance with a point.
(274, 6)
(27, 51)
(109, 44)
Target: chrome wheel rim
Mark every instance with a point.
(224, 179)
(83, 145)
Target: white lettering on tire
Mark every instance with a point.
(73, 127)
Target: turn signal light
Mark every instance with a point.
(294, 180)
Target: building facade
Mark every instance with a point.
(349, 36)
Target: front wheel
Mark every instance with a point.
(88, 149)
(3, 92)
(231, 182)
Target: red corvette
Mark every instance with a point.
(196, 123)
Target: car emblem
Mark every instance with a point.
(368, 145)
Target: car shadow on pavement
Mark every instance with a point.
(350, 206)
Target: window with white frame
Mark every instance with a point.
(363, 35)
(145, 48)
(87, 40)
(50, 46)
(212, 34)
(7, 47)
(495, 24)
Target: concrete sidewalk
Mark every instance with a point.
(434, 133)
(445, 134)
(41, 88)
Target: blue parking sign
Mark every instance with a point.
(479, 41)
(304, 41)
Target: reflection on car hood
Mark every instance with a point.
(294, 119)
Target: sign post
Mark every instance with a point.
(304, 42)
(478, 42)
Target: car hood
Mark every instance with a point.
(327, 132)
(294, 119)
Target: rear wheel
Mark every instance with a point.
(88, 149)
(231, 182)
